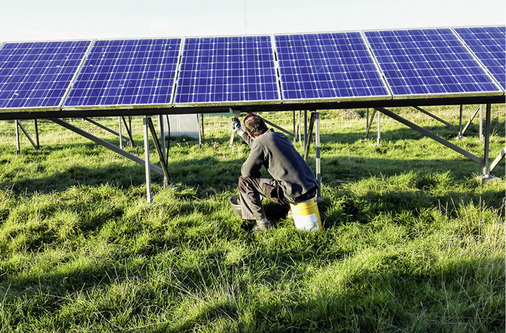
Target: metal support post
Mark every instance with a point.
(310, 133)
(367, 120)
(146, 160)
(36, 134)
(202, 134)
(459, 136)
(294, 128)
(18, 144)
(167, 118)
(129, 129)
(378, 138)
(369, 124)
(161, 155)
(161, 129)
(481, 122)
(299, 127)
(486, 164)
(200, 121)
(305, 127)
(120, 130)
(318, 157)
(314, 123)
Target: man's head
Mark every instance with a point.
(254, 125)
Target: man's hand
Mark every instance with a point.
(236, 126)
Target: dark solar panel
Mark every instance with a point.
(227, 70)
(127, 73)
(328, 66)
(489, 46)
(37, 75)
(428, 63)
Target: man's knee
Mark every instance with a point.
(244, 184)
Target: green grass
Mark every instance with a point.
(412, 241)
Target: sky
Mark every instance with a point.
(35, 20)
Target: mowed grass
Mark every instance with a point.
(412, 240)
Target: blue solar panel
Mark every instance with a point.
(428, 63)
(37, 75)
(489, 46)
(227, 70)
(127, 73)
(328, 66)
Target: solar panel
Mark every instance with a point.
(36, 75)
(126, 73)
(489, 46)
(428, 63)
(227, 70)
(328, 66)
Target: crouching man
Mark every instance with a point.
(292, 180)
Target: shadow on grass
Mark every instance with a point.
(219, 174)
(60, 181)
(366, 208)
(210, 174)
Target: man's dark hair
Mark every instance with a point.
(254, 125)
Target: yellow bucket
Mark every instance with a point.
(306, 215)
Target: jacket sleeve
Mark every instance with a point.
(246, 138)
(251, 167)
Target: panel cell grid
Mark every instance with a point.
(127, 73)
(428, 63)
(227, 70)
(489, 46)
(327, 66)
(37, 75)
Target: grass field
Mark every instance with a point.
(412, 241)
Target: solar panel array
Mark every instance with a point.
(127, 73)
(431, 62)
(37, 75)
(489, 46)
(227, 70)
(297, 68)
(327, 66)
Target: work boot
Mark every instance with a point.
(261, 226)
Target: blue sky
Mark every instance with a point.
(27, 20)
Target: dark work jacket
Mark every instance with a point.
(277, 154)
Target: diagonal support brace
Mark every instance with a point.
(437, 118)
(432, 136)
(35, 145)
(498, 159)
(105, 144)
(161, 155)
